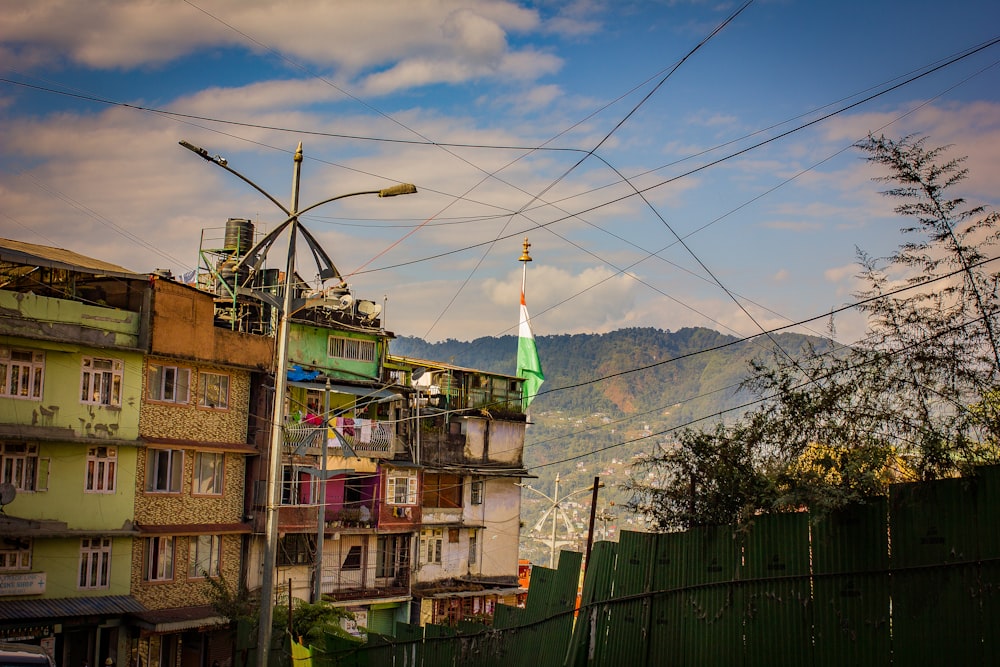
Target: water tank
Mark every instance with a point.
(239, 236)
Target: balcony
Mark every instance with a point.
(347, 437)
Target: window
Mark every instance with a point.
(351, 348)
(101, 383)
(477, 492)
(101, 467)
(95, 563)
(297, 549)
(158, 558)
(206, 552)
(213, 391)
(21, 373)
(393, 555)
(352, 561)
(15, 553)
(208, 473)
(401, 488)
(433, 538)
(170, 384)
(442, 490)
(473, 547)
(164, 468)
(296, 486)
(19, 465)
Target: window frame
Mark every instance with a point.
(24, 477)
(351, 349)
(175, 468)
(101, 469)
(293, 480)
(161, 568)
(22, 385)
(196, 557)
(16, 558)
(223, 390)
(158, 381)
(218, 478)
(477, 492)
(442, 490)
(104, 383)
(304, 552)
(409, 493)
(94, 573)
(434, 540)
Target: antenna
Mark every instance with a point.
(7, 493)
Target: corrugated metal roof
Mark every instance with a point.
(180, 618)
(29, 253)
(104, 605)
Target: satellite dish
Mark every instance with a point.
(369, 309)
(7, 493)
(345, 301)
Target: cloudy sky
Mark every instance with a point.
(662, 170)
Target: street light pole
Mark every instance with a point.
(555, 509)
(281, 364)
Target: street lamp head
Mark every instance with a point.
(396, 190)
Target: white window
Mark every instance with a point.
(477, 492)
(170, 384)
(158, 558)
(213, 390)
(101, 469)
(433, 538)
(164, 469)
(15, 554)
(95, 563)
(21, 373)
(401, 488)
(206, 551)
(208, 473)
(101, 383)
(19, 465)
(355, 349)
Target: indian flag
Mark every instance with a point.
(528, 365)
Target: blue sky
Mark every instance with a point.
(513, 119)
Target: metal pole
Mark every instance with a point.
(555, 518)
(593, 517)
(277, 435)
(321, 536)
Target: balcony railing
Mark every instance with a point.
(362, 437)
(367, 582)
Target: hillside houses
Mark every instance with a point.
(135, 450)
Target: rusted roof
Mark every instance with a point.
(195, 529)
(20, 252)
(103, 605)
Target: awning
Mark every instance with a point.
(182, 618)
(374, 394)
(98, 605)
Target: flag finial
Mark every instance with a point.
(525, 257)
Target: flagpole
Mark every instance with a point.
(528, 365)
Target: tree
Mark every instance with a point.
(915, 399)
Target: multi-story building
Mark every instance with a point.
(73, 332)
(198, 381)
(468, 446)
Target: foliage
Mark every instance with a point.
(915, 399)
(233, 602)
(311, 622)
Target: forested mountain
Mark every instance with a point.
(609, 396)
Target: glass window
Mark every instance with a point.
(209, 468)
(433, 539)
(15, 553)
(19, 465)
(351, 348)
(473, 547)
(213, 390)
(206, 554)
(477, 492)
(95, 563)
(170, 384)
(297, 486)
(101, 382)
(297, 549)
(352, 561)
(401, 488)
(164, 469)
(21, 373)
(442, 490)
(101, 469)
(158, 558)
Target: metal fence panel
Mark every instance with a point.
(988, 589)
(712, 608)
(626, 641)
(593, 617)
(778, 603)
(936, 617)
(851, 586)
